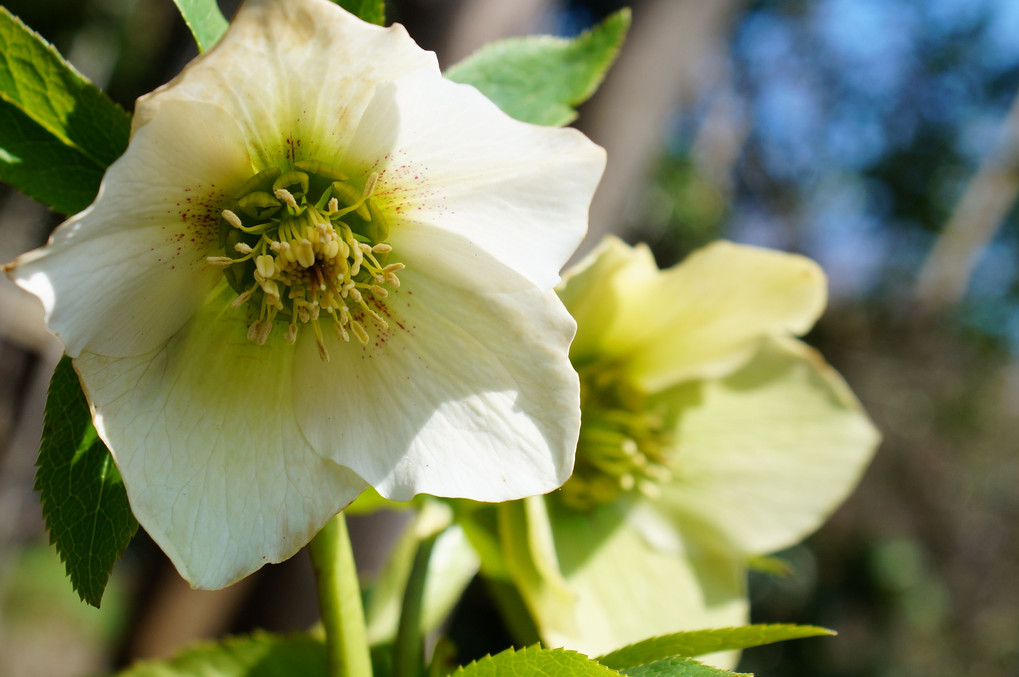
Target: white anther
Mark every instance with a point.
(333, 205)
(378, 291)
(331, 249)
(265, 265)
(355, 294)
(382, 248)
(253, 330)
(304, 253)
(232, 218)
(291, 334)
(392, 268)
(242, 248)
(223, 261)
(286, 196)
(272, 291)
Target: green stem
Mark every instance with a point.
(339, 596)
(408, 649)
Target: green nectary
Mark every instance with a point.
(303, 241)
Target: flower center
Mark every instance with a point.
(624, 445)
(303, 244)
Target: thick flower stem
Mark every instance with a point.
(339, 596)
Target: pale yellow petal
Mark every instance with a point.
(636, 575)
(700, 318)
(596, 289)
(767, 453)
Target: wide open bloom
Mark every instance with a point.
(318, 266)
(709, 436)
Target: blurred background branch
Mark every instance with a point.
(980, 212)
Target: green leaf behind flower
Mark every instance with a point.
(204, 19)
(680, 667)
(542, 79)
(58, 133)
(43, 168)
(700, 642)
(535, 661)
(83, 497)
(257, 655)
(372, 11)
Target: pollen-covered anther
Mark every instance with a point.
(298, 255)
(223, 261)
(232, 218)
(286, 196)
(242, 298)
(359, 331)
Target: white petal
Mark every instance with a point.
(204, 433)
(629, 589)
(123, 275)
(448, 156)
(296, 76)
(465, 395)
(766, 454)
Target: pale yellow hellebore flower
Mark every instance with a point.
(320, 266)
(709, 436)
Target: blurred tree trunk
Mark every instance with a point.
(478, 22)
(655, 74)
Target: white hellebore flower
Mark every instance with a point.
(319, 266)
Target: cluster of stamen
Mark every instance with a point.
(623, 443)
(302, 246)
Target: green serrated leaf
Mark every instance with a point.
(83, 498)
(257, 655)
(37, 81)
(372, 11)
(680, 667)
(542, 79)
(535, 661)
(204, 19)
(58, 133)
(700, 642)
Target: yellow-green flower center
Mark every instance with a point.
(624, 445)
(303, 245)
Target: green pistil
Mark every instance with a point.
(623, 447)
